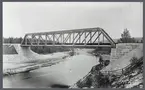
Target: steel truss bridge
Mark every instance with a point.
(88, 37)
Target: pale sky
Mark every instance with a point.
(20, 18)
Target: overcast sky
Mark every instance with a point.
(27, 17)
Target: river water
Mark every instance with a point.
(67, 72)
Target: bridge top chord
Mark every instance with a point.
(68, 31)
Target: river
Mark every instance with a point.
(67, 72)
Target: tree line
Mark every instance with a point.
(12, 40)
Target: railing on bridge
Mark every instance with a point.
(79, 37)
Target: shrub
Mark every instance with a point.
(71, 53)
(133, 60)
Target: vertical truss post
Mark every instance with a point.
(59, 40)
(90, 37)
(63, 38)
(46, 39)
(73, 38)
(98, 38)
(53, 38)
(85, 38)
(103, 38)
(79, 37)
(70, 38)
(38, 40)
(34, 38)
(31, 39)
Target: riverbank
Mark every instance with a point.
(94, 79)
(64, 73)
(131, 77)
(125, 72)
(27, 66)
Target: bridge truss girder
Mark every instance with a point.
(89, 36)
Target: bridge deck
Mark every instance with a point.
(71, 45)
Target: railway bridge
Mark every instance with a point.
(88, 37)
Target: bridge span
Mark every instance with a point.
(88, 37)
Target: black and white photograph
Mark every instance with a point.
(72, 45)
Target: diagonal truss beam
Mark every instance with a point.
(75, 37)
(79, 36)
(85, 37)
(91, 37)
(67, 37)
(97, 37)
